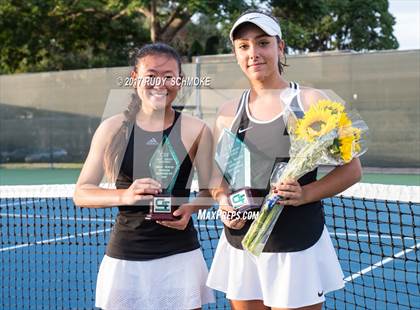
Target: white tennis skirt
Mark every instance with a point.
(282, 280)
(174, 282)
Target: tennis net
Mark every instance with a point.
(50, 250)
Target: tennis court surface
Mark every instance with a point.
(50, 250)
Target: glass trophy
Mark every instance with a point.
(164, 167)
(233, 158)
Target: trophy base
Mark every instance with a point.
(242, 200)
(161, 209)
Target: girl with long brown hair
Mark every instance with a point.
(149, 264)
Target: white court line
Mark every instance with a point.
(55, 218)
(53, 240)
(380, 263)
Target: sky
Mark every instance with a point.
(407, 27)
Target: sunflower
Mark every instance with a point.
(316, 123)
(334, 106)
(349, 142)
(344, 121)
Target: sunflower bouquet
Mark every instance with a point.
(326, 135)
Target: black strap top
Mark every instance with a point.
(297, 228)
(133, 237)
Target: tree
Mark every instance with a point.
(40, 35)
(166, 19)
(58, 34)
(203, 30)
(212, 44)
(336, 24)
(196, 49)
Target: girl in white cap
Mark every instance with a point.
(298, 265)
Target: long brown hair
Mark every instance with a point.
(115, 149)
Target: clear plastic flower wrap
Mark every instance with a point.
(327, 134)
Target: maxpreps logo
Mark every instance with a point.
(218, 214)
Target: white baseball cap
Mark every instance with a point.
(266, 23)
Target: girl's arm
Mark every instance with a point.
(336, 181)
(89, 194)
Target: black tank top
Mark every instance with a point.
(297, 228)
(133, 237)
